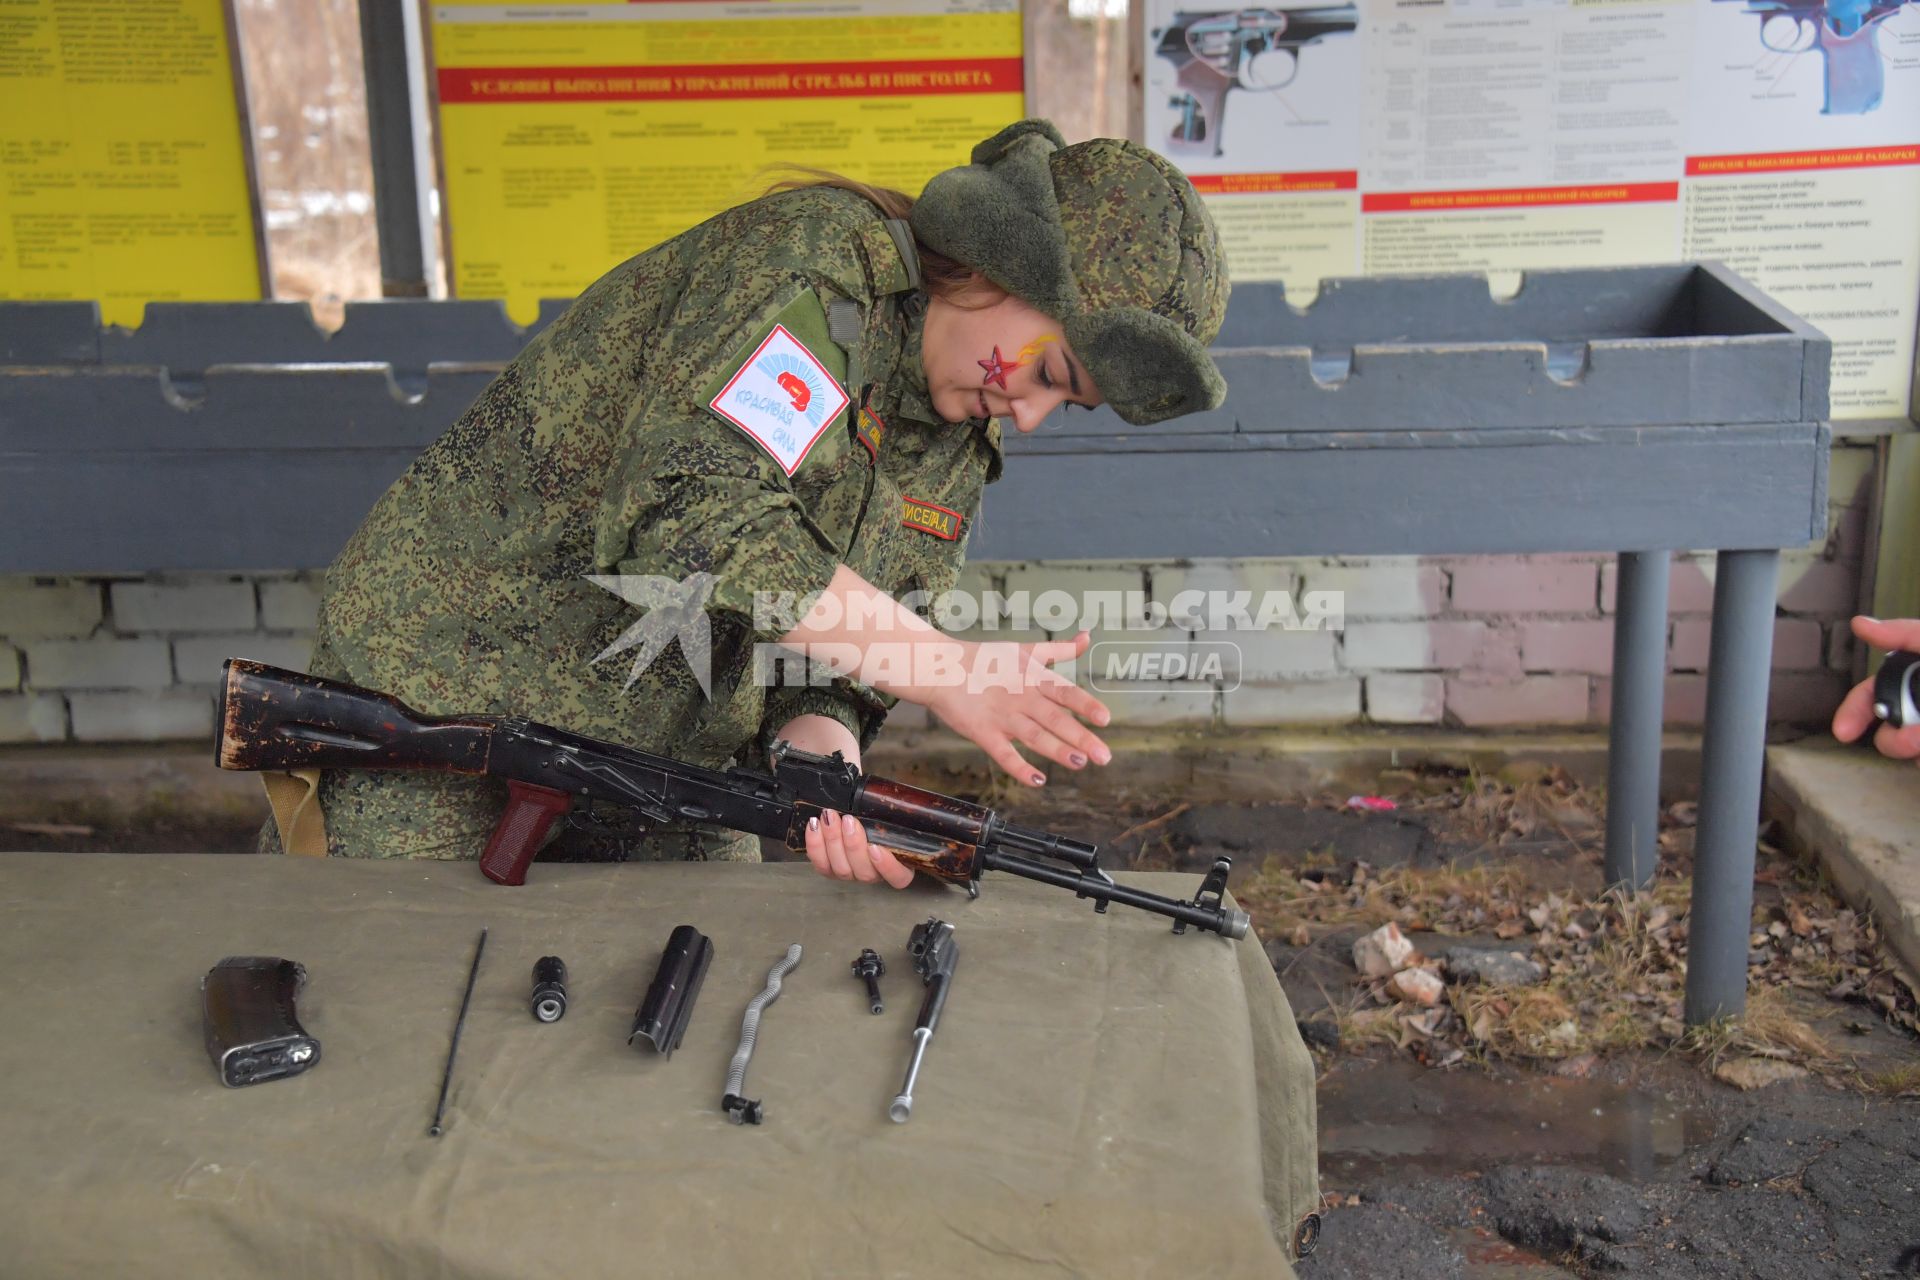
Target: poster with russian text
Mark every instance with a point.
(1779, 136)
(575, 136)
(123, 170)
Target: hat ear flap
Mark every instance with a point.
(1042, 131)
(1003, 221)
(1147, 367)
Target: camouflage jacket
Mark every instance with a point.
(599, 451)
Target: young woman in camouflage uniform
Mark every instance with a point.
(800, 398)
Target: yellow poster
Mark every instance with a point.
(575, 137)
(123, 176)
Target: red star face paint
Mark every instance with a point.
(998, 369)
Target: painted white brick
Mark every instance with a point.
(1400, 587)
(1048, 575)
(1274, 655)
(142, 717)
(1444, 645)
(9, 667)
(1294, 702)
(183, 606)
(54, 609)
(1219, 581)
(99, 663)
(1406, 699)
(1119, 657)
(1159, 702)
(197, 661)
(33, 717)
(291, 604)
(1063, 598)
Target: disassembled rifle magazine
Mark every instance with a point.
(248, 1021)
(935, 954)
(459, 1025)
(549, 1000)
(663, 1015)
(742, 1109)
(869, 967)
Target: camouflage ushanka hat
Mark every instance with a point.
(1104, 236)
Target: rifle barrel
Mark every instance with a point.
(1224, 921)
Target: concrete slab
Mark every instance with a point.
(1859, 812)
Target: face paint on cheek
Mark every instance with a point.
(1035, 347)
(997, 370)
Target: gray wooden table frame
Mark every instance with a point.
(1637, 411)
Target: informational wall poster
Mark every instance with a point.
(1779, 136)
(575, 137)
(123, 170)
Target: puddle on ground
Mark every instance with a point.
(1398, 1120)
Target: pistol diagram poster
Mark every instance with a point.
(123, 170)
(573, 137)
(1780, 136)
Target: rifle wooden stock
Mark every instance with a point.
(276, 719)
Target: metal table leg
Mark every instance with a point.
(1633, 747)
(1732, 758)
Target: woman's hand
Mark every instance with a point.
(1856, 713)
(837, 843)
(837, 847)
(1011, 695)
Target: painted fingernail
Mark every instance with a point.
(1038, 779)
(1077, 760)
(813, 823)
(846, 820)
(828, 814)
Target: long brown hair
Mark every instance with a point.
(943, 277)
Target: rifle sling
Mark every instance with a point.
(295, 800)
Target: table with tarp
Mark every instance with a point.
(1102, 1098)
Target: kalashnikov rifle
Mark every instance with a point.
(276, 719)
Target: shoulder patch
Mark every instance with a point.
(871, 430)
(783, 396)
(931, 517)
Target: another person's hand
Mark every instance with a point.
(1013, 695)
(1856, 713)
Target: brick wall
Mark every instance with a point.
(136, 659)
(1475, 642)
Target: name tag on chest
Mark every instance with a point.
(931, 517)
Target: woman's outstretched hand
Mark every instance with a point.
(1010, 696)
(1856, 713)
